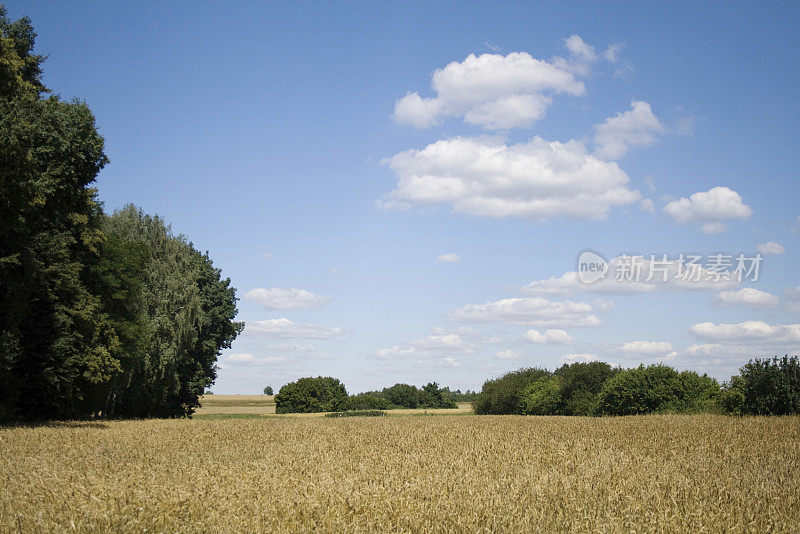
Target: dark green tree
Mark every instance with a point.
(308, 395)
(56, 344)
(268, 390)
(765, 387)
(504, 395)
(581, 382)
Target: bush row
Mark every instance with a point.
(327, 394)
(763, 387)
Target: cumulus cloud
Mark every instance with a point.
(284, 328)
(285, 298)
(714, 228)
(449, 258)
(710, 207)
(532, 311)
(626, 276)
(484, 176)
(758, 331)
(618, 134)
(748, 296)
(493, 91)
(552, 336)
(750, 339)
(508, 355)
(440, 341)
(771, 248)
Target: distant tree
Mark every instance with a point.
(403, 395)
(434, 397)
(504, 395)
(268, 390)
(765, 387)
(307, 395)
(656, 389)
(581, 383)
(543, 397)
(367, 401)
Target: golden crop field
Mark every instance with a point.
(404, 474)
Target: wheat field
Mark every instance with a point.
(404, 474)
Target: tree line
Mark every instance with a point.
(327, 394)
(762, 387)
(102, 315)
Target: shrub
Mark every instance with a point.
(581, 384)
(403, 395)
(432, 396)
(766, 387)
(656, 389)
(367, 401)
(306, 395)
(504, 395)
(543, 397)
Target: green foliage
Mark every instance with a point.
(268, 390)
(402, 395)
(543, 397)
(368, 401)
(580, 385)
(656, 389)
(504, 395)
(765, 387)
(57, 342)
(432, 396)
(307, 395)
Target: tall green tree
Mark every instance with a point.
(55, 341)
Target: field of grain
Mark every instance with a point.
(404, 474)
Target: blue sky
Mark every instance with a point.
(333, 156)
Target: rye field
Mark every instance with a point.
(404, 473)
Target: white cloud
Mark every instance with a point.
(461, 341)
(647, 205)
(747, 331)
(578, 358)
(451, 362)
(710, 207)
(484, 176)
(508, 354)
(579, 49)
(284, 328)
(493, 91)
(750, 339)
(552, 336)
(645, 348)
(748, 296)
(647, 274)
(268, 256)
(771, 247)
(285, 298)
(618, 134)
(449, 258)
(532, 311)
